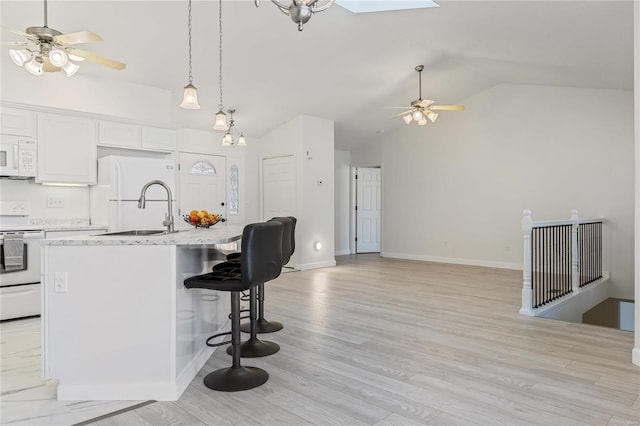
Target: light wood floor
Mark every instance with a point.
(388, 342)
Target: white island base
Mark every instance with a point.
(123, 327)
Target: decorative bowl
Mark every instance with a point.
(204, 221)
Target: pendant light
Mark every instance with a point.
(221, 117)
(190, 96)
(227, 139)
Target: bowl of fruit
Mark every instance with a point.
(202, 218)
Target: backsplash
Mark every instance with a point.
(48, 203)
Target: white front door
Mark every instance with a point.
(367, 210)
(279, 188)
(202, 185)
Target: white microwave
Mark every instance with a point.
(17, 157)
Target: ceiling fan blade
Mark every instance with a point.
(21, 33)
(15, 43)
(77, 37)
(48, 67)
(446, 107)
(398, 107)
(99, 59)
(401, 114)
(425, 103)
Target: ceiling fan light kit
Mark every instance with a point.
(421, 110)
(49, 50)
(300, 11)
(190, 94)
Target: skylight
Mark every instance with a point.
(365, 6)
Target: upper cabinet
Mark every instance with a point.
(132, 136)
(67, 150)
(17, 122)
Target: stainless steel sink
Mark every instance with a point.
(137, 232)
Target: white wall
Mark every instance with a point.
(342, 173)
(86, 94)
(315, 204)
(75, 199)
(454, 191)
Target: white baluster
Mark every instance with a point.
(527, 292)
(575, 261)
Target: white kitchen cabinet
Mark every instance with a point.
(132, 136)
(67, 151)
(19, 122)
(120, 135)
(158, 138)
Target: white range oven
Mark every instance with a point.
(19, 275)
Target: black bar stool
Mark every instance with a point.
(288, 247)
(261, 260)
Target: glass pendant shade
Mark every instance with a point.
(241, 140)
(35, 66)
(432, 116)
(58, 57)
(417, 115)
(70, 68)
(19, 56)
(190, 97)
(422, 121)
(221, 121)
(227, 139)
(407, 118)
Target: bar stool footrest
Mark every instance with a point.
(215, 345)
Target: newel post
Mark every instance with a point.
(575, 260)
(527, 291)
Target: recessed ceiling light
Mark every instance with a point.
(365, 6)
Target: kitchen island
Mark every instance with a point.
(117, 322)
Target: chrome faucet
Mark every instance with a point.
(168, 219)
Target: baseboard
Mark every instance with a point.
(141, 391)
(635, 355)
(342, 252)
(316, 265)
(453, 260)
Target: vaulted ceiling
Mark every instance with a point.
(345, 67)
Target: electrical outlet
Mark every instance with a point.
(55, 202)
(60, 284)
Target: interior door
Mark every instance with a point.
(368, 210)
(279, 188)
(202, 185)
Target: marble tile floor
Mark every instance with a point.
(27, 399)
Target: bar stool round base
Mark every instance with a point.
(236, 379)
(254, 348)
(262, 326)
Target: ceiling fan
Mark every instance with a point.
(50, 50)
(422, 110)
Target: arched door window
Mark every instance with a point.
(202, 168)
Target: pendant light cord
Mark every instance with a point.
(190, 69)
(220, 52)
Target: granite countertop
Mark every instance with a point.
(210, 236)
(53, 225)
